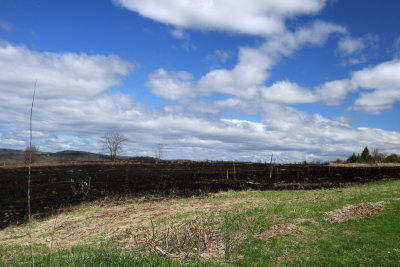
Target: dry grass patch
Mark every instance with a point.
(199, 236)
(174, 225)
(280, 229)
(354, 212)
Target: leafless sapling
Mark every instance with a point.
(113, 143)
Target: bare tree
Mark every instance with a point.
(31, 154)
(113, 143)
(159, 151)
(377, 155)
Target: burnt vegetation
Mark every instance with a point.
(62, 185)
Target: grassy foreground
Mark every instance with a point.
(251, 228)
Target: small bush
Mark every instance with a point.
(31, 154)
(392, 158)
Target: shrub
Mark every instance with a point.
(353, 158)
(31, 154)
(392, 158)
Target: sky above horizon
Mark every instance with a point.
(209, 79)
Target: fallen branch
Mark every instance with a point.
(159, 251)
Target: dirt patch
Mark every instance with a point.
(280, 229)
(355, 212)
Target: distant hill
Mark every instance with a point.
(12, 156)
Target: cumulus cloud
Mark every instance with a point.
(171, 85)
(73, 76)
(254, 63)
(246, 79)
(285, 92)
(11, 142)
(334, 92)
(66, 82)
(352, 49)
(322, 135)
(379, 85)
(62, 121)
(75, 105)
(349, 46)
(384, 80)
(256, 17)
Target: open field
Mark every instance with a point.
(61, 185)
(357, 225)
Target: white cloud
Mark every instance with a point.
(179, 34)
(255, 17)
(346, 120)
(67, 83)
(382, 79)
(246, 79)
(352, 49)
(73, 76)
(334, 92)
(62, 121)
(254, 63)
(285, 92)
(349, 45)
(74, 97)
(321, 135)
(171, 85)
(11, 142)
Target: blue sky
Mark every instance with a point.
(228, 80)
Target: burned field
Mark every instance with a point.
(57, 186)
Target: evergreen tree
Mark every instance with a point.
(365, 155)
(352, 159)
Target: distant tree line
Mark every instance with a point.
(373, 157)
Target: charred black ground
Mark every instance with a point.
(62, 185)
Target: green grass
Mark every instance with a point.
(85, 256)
(373, 241)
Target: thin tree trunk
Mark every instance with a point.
(29, 176)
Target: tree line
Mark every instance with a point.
(376, 156)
